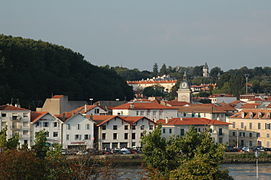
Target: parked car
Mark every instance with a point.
(246, 149)
(258, 148)
(267, 149)
(125, 151)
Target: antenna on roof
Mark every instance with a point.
(11, 101)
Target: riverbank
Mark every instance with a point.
(130, 160)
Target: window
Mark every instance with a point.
(133, 144)
(103, 136)
(133, 127)
(170, 131)
(220, 140)
(233, 133)
(250, 143)
(86, 137)
(242, 124)
(133, 135)
(115, 127)
(25, 115)
(250, 125)
(184, 114)
(233, 124)
(104, 127)
(141, 134)
(259, 125)
(77, 137)
(78, 126)
(37, 124)
(267, 135)
(14, 117)
(45, 124)
(68, 126)
(125, 135)
(4, 115)
(141, 113)
(115, 135)
(67, 137)
(182, 132)
(250, 134)
(137, 113)
(164, 130)
(154, 113)
(160, 113)
(244, 134)
(151, 127)
(96, 111)
(240, 134)
(55, 124)
(220, 132)
(142, 127)
(25, 132)
(55, 134)
(126, 127)
(267, 126)
(258, 135)
(87, 126)
(47, 134)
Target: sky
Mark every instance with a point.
(136, 34)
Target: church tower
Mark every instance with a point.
(205, 70)
(184, 91)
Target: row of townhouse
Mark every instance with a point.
(81, 128)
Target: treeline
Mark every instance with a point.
(232, 81)
(31, 71)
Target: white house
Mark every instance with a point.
(117, 131)
(179, 126)
(78, 131)
(48, 122)
(17, 120)
(151, 110)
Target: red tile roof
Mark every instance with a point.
(134, 119)
(234, 103)
(202, 108)
(35, 116)
(82, 109)
(145, 105)
(191, 121)
(226, 107)
(250, 105)
(12, 108)
(58, 96)
(64, 116)
(101, 119)
(253, 114)
(176, 103)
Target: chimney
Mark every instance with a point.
(166, 120)
(132, 106)
(85, 108)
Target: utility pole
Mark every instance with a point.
(246, 76)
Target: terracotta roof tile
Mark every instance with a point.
(12, 108)
(58, 96)
(35, 116)
(203, 108)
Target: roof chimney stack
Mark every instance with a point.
(166, 120)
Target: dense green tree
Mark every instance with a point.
(154, 91)
(215, 72)
(3, 139)
(155, 70)
(163, 70)
(32, 71)
(41, 146)
(193, 156)
(13, 142)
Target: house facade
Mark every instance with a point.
(251, 127)
(116, 132)
(179, 126)
(16, 120)
(49, 123)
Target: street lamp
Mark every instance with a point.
(91, 99)
(257, 167)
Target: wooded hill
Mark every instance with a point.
(31, 71)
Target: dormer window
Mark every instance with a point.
(260, 115)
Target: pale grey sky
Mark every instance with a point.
(138, 33)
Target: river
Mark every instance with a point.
(237, 171)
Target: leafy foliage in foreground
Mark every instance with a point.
(193, 156)
(32, 71)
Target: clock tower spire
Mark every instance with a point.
(184, 91)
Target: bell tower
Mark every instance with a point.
(184, 91)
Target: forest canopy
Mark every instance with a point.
(31, 71)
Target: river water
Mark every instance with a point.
(237, 171)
